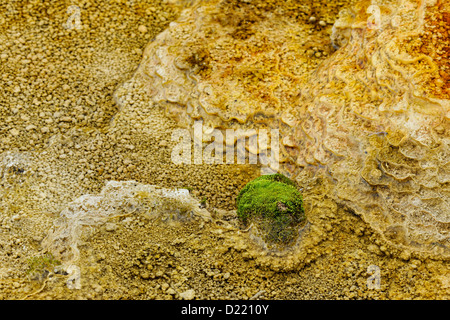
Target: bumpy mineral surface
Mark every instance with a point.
(371, 121)
(80, 217)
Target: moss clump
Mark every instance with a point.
(275, 204)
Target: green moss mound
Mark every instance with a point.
(275, 204)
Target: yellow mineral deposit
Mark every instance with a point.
(93, 207)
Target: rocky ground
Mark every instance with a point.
(63, 135)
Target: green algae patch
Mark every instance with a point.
(275, 205)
